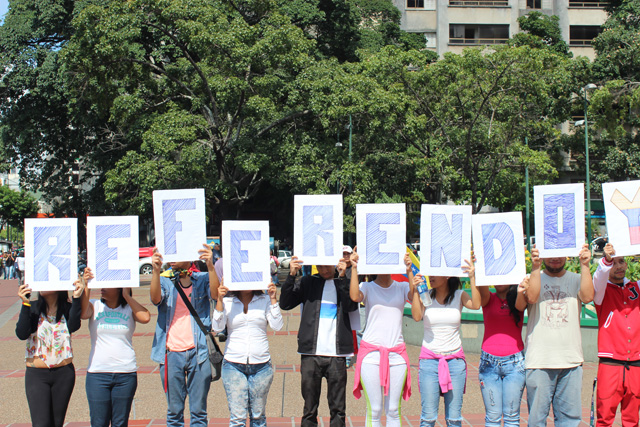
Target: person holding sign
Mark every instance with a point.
(47, 325)
(443, 369)
(501, 372)
(553, 347)
(112, 376)
(179, 346)
(246, 369)
(382, 370)
(325, 339)
(617, 301)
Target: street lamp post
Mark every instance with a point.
(585, 122)
(528, 215)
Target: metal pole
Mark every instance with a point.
(350, 134)
(528, 216)
(586, 148)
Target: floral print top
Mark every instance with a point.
(51, 342)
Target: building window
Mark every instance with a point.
(588, 4)
(583, 35)
(534, 4)
(415, 4)
(473, 34)
(479, 3)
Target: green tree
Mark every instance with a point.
(15, 206)
(541, 31)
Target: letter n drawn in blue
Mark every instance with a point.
(105, 253)
(446, 240)
(171, 226)
(377, 237)
(559, 233)
(47, 252)
(317, 223)
(501, 232)
(239, 256)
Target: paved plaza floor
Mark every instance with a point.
(284, 406)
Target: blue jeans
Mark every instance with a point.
(558, 387)
(430, 392)
(186, 376)
(247, 387)
(110, 396)
(502, 383)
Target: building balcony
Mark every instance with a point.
(476, 42)
(479, 3)
(580, 4)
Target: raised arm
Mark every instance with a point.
(155, 290)
(355, 293)
(219, 318)
(274, 316)
(521, 300)
(474, 301)
(140, 313)
(87, 308)
(586, 282)
(409, 271)
(601, 276)
(206, 254)
(290, 292)
(533, 293)
(417, 309)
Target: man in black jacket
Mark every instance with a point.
(324, 339)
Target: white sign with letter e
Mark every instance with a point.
(381, 230)
(445, 236)
(51, 253)
(180, 223)
(559, 218)
(499, 248)
(245, 255)
(317, 229)
(112, 251)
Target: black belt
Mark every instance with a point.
(625, 363)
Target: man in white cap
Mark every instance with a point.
(346, 257)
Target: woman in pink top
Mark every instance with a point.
(502, 372)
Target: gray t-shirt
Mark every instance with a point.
(553, 329)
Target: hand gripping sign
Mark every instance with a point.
(622, 210)
(317, 229)
(499, 248)
(445, 239)
(51, 253)
(245, 255)
(381, 230)
(180, 223)
(559, 219)
(112, 251)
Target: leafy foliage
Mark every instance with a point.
(15, 206)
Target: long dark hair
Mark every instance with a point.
(453, 284)
(512, 295)
(121, 301)
(63, 298)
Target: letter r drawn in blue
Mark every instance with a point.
(312, 230)
(46, 252)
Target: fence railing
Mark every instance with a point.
(580, 42)
(588, 4)
(480, 41)
(479, 3)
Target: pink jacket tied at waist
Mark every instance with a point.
(366, 348)
(444, 376)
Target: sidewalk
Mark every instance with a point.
(285, 403)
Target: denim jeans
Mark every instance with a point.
(430, 392)
(186, 377)
(247, 387)
(558, 387)
(502, 383)
(110, 396)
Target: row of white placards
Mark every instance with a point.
(445, 234)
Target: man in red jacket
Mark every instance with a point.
(617, 301)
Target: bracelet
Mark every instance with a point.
(26, 304)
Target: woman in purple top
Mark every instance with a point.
(502, 371)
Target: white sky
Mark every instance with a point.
(4, 7)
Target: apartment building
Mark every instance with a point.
(452, 25)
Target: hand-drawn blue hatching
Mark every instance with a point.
(376, 237)
(239, 257)
(105, 253)
(58, 254)
(312, 230)
(501, 232)
(555, 236)
(446, 241)
(170, 225)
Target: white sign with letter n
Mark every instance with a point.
(499, 248)
(180, 223)
(51, 253)
(112, 251)
(445, 239)
(245, 255)
(381, 230)
(317, 228)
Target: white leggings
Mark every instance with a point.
(374, 393)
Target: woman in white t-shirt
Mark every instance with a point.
(111, 375)
(443, 369)
(382, 370)
(246, 369)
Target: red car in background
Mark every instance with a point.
(145, 252)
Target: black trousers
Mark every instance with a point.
(48, 394)
(312, 370)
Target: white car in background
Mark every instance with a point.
(144, 266)
(282, 255)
